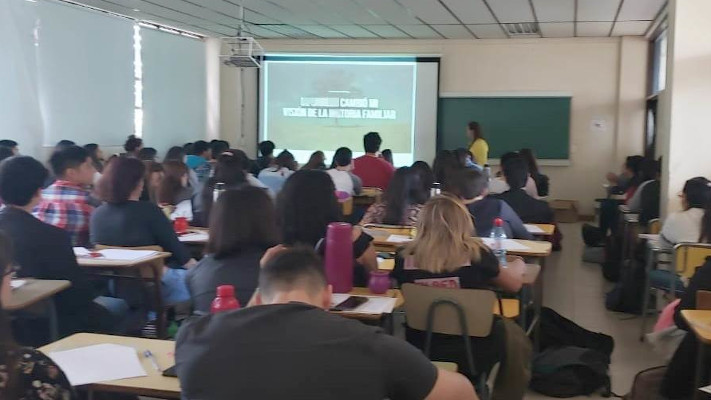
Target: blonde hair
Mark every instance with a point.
(444, 236)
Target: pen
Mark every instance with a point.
(151, 357)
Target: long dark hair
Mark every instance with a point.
(530, 158)
(305, 206)
(698, 192)
(175, 153)
(93, 149)
(427, 177)
(171, 185)
(242, 218)
(316, 161)
(404, 190)
(445, 162)
(228, 170)
(9, 356)
(476, 130)
(121, 176)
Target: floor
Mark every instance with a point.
(577, 290)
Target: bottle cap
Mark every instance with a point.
(498, 222)
(225, 291)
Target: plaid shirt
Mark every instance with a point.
(68, 206)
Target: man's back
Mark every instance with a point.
(373, 171)
(530, 210)
(69, 207)
(296, 351)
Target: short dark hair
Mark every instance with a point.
(147, 154)
(507, 156)
(200, 147)
(8, 143)
(218, 147)
(241, 219)
(132, 143)
(372, 142)
(285, 160)
(20, 178)
(120, 178)
(697, 191)
(266, 148)
(466, 183)
(298, 267)
(342, 157)
(63, 144)
(69, 157)
(515, 171)
(5, 152)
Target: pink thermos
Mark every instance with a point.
(339, 257)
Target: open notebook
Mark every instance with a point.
(115, 254)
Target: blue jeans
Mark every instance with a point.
(661, 279)
(175, 290)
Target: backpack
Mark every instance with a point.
(626, 296)
(570, 371)
(556, 331)
(592, 235)
(647, 384)
(613, 259)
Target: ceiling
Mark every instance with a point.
(395, 19)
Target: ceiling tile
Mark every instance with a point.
(630, 28)
(430, 11)
(597, 10)
(351, 11)
(277, 12)
(389, 11)
(232, 10)
(292, 31)
(593, 28)
(387, 31)
(322, 31)
(263, 32)
(640, 10)
(457, 31)
(554, 10)
(354, 31)
(557, 29)
(470, 11)
(488, 31)
(420, 31)
(312, 10)
(512, 10)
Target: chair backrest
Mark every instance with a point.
(346, 206)
(688, 256)
(654, 226)
(392, 229)
(478, 306)
(703, 300)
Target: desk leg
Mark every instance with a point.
(700, 373)
(52, 319)
(538, 305)
(645, 293)
(161, 316)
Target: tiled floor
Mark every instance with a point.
(577, 291)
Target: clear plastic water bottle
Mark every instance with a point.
(499, 235)
(487, 171)
(219, 188)
(436, 189)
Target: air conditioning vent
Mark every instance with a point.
(522, 29)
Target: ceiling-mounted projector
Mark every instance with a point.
(242, 52)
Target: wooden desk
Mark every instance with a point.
(153, 385)
(548, 229)
(535, 249)
(447, 366)
(700, 323)
(361, 291)
(99, 262)
(35, 291)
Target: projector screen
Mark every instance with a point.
(310, 103)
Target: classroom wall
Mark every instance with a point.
(606, 76)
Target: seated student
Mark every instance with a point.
(275, 176)
(445, 255)
(401, 203)
(371, 169)
(198, 161)
(466, 159)
(542, 181)
(289, 346)
(10, 144)
(97, 156)
(148, 154)
(498, 185)
(266, 149)
(175, 153)
(228, 171)
(470, 186)
(305, 207)
(621, 183)
(685, 225)
(445, 162)
(44, 251)
(530, 209)
(316, 161)
(25, 372)
(132, 146)
(388, 156)
(242, 228)
(645, 200)
(427, 178)
(125, 221)
(65, 203)
(152, 180)
(173, 190)
(340, 172)
(247, 164)
(218, 147)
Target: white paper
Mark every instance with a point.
(509, 244)
(98, 363)
(533, 228)
(194, 237)
(649, 236)
(375, 305)
(81, 252)
(17, 283)
(398, 239)
(375, 232)
(183, 209)
(126, 254)
(706, 389)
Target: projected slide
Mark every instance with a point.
(314, 105)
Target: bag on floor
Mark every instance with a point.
(646, 385)
(557, 331)
(626, 296)
(571, 371)
(592, 236)
(594, 255)
(611, 268)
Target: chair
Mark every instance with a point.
(703, 300)
(462, 312)
(654, 226)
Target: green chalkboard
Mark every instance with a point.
(508, 123)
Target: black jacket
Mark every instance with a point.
(530, 210)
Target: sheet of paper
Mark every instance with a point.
(89, 364)
(649, 236)
(17, 283)
(533, 228)
(509, 244)
(398, 239)
(81, 252)
(183, 209)
(126, 254)
(194, 237)
(375, 305)
(706, 389)
(376, 233)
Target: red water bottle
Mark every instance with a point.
(225, 300)
(339, 257)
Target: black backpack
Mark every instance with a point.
(570, 371)
(612, 265)
(627, 294)
(557, 331)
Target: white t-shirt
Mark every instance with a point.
(342, 180)
(683, 226)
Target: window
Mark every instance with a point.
(659, 63)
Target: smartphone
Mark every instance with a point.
(170, 372)
(350, 303)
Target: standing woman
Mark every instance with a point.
(479, 147)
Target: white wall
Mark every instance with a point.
(607, 77)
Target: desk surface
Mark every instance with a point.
(99, 262)
(361, 291)
(535, 248)
(548, 229)
(34, 291)
(700, 322)
(152, 385)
